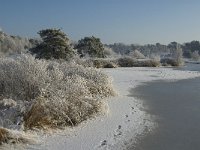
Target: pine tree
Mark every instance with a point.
(54, 45)
(91, 46)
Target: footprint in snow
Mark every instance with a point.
(103, 143)
(118, 132)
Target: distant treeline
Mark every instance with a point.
(156, 49)
(16, 44)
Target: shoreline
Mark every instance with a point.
(125, 119)
(172, 104)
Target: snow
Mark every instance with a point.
(125, 118)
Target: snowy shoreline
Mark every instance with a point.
(125, 118)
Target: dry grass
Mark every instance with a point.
(4, 134)
(14, 137)
(42, 115)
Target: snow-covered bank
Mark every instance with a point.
(125, 119)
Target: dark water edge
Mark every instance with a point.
(176, 107)
(189, 67)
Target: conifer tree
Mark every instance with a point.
(91, 46)
(54, 45)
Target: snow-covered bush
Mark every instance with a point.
(109, 53)
(169, 62)
(147, 63)
(195, 55)
(177, 56)
(97, 62)
(13, 44)
(155, 57)
(51, 94)
(98, 83)
(126, 62)
(136, 54)
(104, 63)
(120, 62)
(86, 62)
(22, 77)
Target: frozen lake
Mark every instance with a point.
(176, 108)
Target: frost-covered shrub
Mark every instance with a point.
(97, 82)
(136, 54)
(110, 65)
(146, 63)
(195, 56)
(109, 53)
(104, 63)
(126, 62)
(169, 62)
(51, 94)
(10, 115)
(176, 59)
(155, 57)
(22, 77)
(177, 56)
(97, 62)
(13, 44)
(86, 62)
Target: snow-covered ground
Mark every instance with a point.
(125, 118)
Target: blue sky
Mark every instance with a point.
(127, 21)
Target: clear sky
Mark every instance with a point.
(127, 21)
